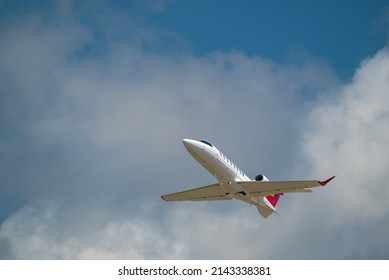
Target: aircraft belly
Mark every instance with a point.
(214, 167)
(226, 177)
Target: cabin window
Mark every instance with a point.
(207, 143)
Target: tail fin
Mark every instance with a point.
(264, 211)
(273, 199)
(267, 211)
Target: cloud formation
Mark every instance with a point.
(91, 139)
(348, 135)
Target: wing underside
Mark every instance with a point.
(274, 187)
(211, 192)
(254, 188)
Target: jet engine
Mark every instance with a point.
(261, 177)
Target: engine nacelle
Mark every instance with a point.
(261, 177)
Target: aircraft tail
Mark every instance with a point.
(273, 199)
(267, 211)
(264, 211)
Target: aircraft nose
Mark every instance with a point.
(189, 143)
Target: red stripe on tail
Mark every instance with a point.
(273, 199)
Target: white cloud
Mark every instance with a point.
(35, 232)
(347, 136)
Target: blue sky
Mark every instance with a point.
(95, 97)
(340, 32)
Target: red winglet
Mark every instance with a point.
(323, 183)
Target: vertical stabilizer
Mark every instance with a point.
(264, 211)
(273, 199)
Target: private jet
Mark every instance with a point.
(234, 184)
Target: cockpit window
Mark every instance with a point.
(206, 142)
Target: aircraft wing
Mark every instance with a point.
(211, 192)
(264, 188)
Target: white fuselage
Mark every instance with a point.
(226, 172)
